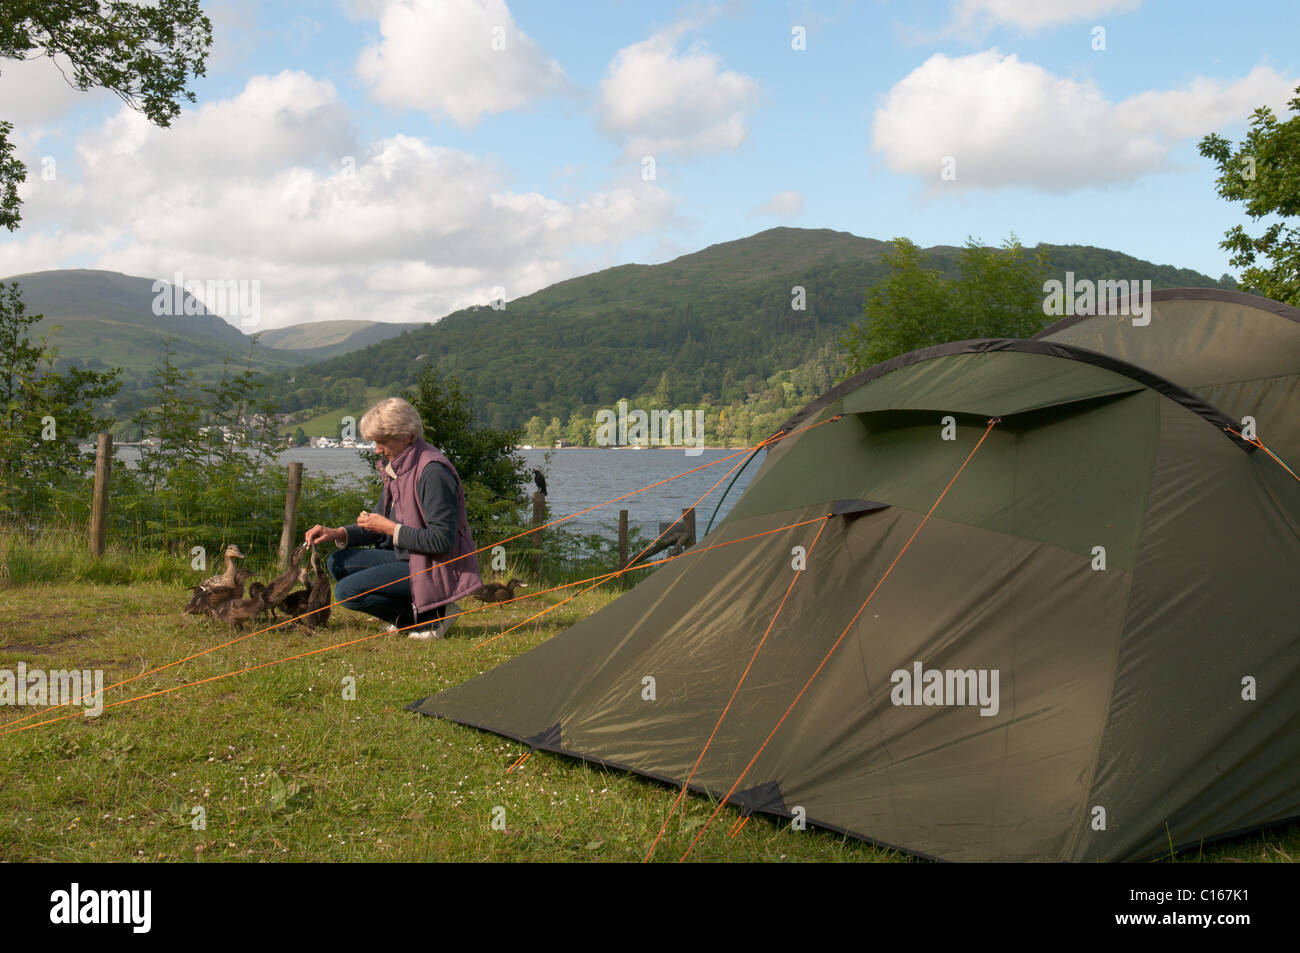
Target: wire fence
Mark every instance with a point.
(43, 527)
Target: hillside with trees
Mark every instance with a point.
(750, 325)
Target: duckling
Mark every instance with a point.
(226, 578)
(237, 611)
(491, 592)
(208, 598)
(318, 602)
(295, 603)
(282, 584)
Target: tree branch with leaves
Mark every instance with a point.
(1263, 172)
(998, 292)
(145, 53)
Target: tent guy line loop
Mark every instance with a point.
(749, 453)
(1260, 443)
(736, 691)
(817, 671)
(14, 726)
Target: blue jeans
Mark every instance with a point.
(359, 569)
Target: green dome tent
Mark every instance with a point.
(1087, 652)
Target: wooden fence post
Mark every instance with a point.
(539, 518)
(688, 524)
(99, 502)
(622, 539)
(288, 533)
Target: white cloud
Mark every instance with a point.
(252, 188)
(37, 91)
(656, 100)
(290, 118)
(783, 205)
(1031, 15)
(458, 58)
(1009, 123)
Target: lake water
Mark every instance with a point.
(578, 478)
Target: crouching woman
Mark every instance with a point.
(415, 552)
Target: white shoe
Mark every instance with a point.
(425, 635)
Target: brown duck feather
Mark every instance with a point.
(319, 599)
(295, 603)
(227, 578)
(237, 611)
(208, 598)
(283, 584)
(491, 592)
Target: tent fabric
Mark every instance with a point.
(1037, 381)
(1237, 351)
(1104, 598)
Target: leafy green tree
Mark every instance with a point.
(242, 420)
(172, 440)
(492, 473)
(12, 173)
(578, 431)
(997, 293)
(43, 414)
(552, 432)
(533, 430)
(209, 472)
(300, 438)
(145, 52)
(1263, 172)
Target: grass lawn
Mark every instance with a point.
(285, 768)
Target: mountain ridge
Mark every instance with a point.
(709, 326)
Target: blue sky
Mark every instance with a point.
(397, 159)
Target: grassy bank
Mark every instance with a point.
(285, 768)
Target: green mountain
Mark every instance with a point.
(106, 319)
(710, 327)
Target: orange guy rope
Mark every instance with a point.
(1259, 443)
(736, 691)
(847, 628)
(772, 439)
(555, 522)
(9, 727)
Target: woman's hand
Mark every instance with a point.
(321, 534)
(376, 523)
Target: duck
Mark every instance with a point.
(318, 602)
(491, 592)
(207, 598)
(226, 578)
(234, 612)
(282, 584)
(295, 603)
